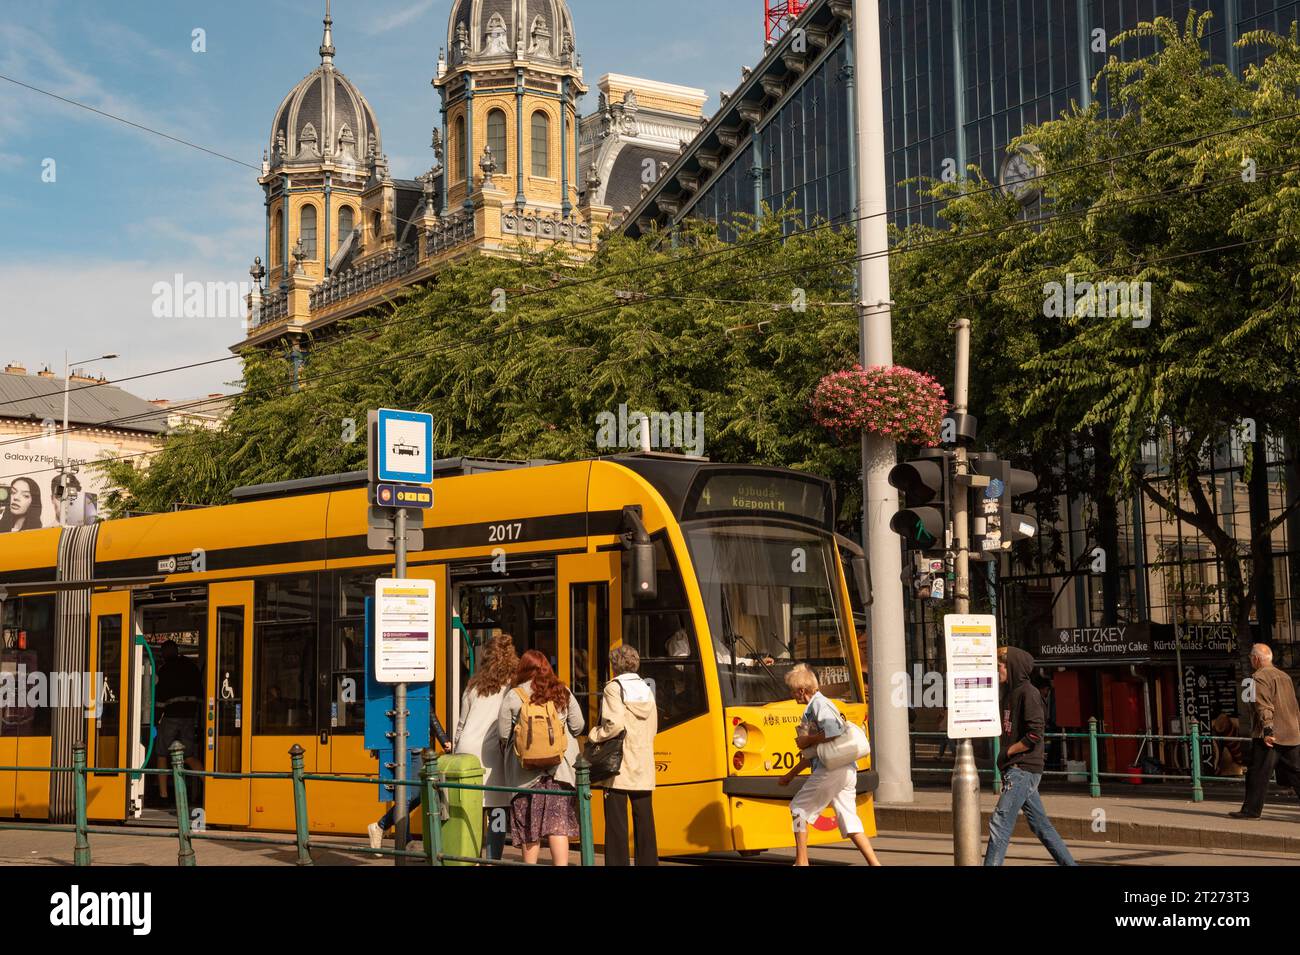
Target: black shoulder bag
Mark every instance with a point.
(606, 758)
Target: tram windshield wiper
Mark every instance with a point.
(731, 637)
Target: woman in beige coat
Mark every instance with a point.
(628, 706)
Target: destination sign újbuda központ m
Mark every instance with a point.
(779, 496)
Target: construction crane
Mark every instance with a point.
(781, 14)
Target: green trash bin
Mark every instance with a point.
(462, 827)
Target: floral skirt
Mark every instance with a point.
(551, 811)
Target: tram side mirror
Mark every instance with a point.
(645, 577)
(858, 566)
(862, 575)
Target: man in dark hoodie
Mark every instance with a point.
(1021, 761)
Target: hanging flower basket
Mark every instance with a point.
(888, 401)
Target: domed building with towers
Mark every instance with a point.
(513, 163)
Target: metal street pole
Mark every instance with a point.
(880, 500)
(400, 821)
(965, 778)
(63, 460)
(67, 370)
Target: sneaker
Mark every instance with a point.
(376, 835)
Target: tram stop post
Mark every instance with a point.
(185, 852)
(81, 853)
(401, 822)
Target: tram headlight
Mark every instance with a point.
(739, 736)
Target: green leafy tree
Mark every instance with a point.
(685, 323)
(1189, 183)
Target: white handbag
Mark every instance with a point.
(845, 749)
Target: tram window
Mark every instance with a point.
(285, 598)
(662, 633)
(107, 703)
(286, 678)
(775, 592)
(230, 682)
(348, 680)
(348, 672)
(26, 648)
(525, 609)
(588, 651)
(859, 609)
(352, 587)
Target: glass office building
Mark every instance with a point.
(962, 78)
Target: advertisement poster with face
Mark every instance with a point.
(29, 496)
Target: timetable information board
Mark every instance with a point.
(971, 643)
(405, 630)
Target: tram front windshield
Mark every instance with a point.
(773, 599)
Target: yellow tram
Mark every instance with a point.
(721, 576)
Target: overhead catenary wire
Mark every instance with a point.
(642, 298)
(737, 248)
(731, 249)
(961, 297)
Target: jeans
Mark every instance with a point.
(1020, 791)
(386, 820)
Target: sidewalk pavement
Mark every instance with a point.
(1120, 818)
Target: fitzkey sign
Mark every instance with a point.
(971, 643)
(406, 621)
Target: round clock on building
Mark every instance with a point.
(1020, 174)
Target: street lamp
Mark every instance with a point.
(67, 367)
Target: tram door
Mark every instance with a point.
(589, 623)
(228, 728)
(106, 729)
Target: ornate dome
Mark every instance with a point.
(525, 29)
(324, 116)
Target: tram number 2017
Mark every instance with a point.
(499, 533)
(783, 761)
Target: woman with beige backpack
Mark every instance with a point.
(539, 724)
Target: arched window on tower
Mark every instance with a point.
(307, 230)
(374, 226)
(496, 138)
(345, 225)
(457, 147)
(274, 257)
(541, 144)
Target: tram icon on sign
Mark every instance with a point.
(408, 450)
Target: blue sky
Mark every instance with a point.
(79, 256)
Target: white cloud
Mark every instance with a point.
(98, 307)
(26, 56)
(398, 18)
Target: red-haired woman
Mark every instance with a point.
(550, 813)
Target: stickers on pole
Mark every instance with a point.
(971, 645)
(405, 630)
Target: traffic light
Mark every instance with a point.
(926, 513)
(994, 525)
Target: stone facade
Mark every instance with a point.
(344, 235)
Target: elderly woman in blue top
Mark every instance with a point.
(836, 788)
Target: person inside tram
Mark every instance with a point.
(178, 693)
